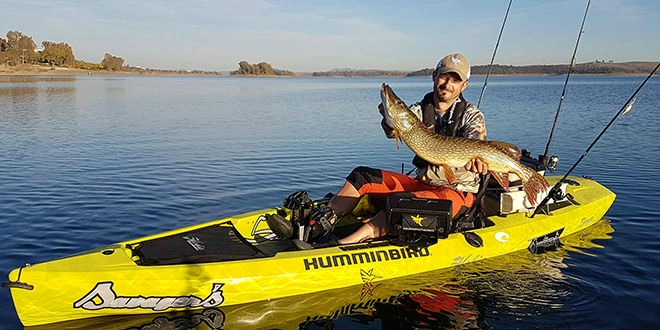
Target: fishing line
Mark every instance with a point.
(624, 109)
(544, 158)
(483, 89)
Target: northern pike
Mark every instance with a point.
(502, 158)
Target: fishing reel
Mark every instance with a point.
(557, 194)
(539, 164)
(552, 163)
(542, 163)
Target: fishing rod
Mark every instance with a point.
(483, 89)
(624, 109)
(544, 158)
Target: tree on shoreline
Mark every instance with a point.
(59, 54)
(261, 69)
(112, 62)
(18, 49)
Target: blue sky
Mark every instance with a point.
(306, 36)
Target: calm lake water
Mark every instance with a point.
(89, 161)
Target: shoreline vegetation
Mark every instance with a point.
(591, 68)
(19, 56)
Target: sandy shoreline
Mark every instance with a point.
(38, 70)
(42, 70)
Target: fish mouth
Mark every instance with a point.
(387, 97)
(385, 92)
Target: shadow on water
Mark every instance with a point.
(500, 292)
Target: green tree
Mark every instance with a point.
(112, 62)
(88, 66)
(21, 48)
(261, 69)
(243, 68)
(59, 54)
(4, 46)
(264, 68)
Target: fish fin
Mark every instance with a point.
(397, 138)
(507, 148)
(502, 179)
(533, 186)
(449, 173)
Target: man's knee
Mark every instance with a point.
(362, 175)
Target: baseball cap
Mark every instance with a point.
(454, 63)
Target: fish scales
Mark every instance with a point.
(501, 157)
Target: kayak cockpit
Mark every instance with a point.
(214, 243)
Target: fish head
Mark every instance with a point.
(397, 114)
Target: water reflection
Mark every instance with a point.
(33, 79)
(36, 117)
(19, 105)
(500, 291)
(25, 102)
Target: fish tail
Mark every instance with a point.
(534, 185)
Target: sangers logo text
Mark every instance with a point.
(102, 296)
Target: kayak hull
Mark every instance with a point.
(114, 280)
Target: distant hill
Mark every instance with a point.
(597, 67)
(603, 68)
(359, 73)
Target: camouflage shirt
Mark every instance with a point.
(472, 125)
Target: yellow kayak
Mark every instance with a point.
(445, 293)
(238, 260)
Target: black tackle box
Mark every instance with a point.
(417, 221)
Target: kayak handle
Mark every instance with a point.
(18, 284)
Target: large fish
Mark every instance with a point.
(502, 158)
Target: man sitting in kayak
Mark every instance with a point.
(446, 112)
